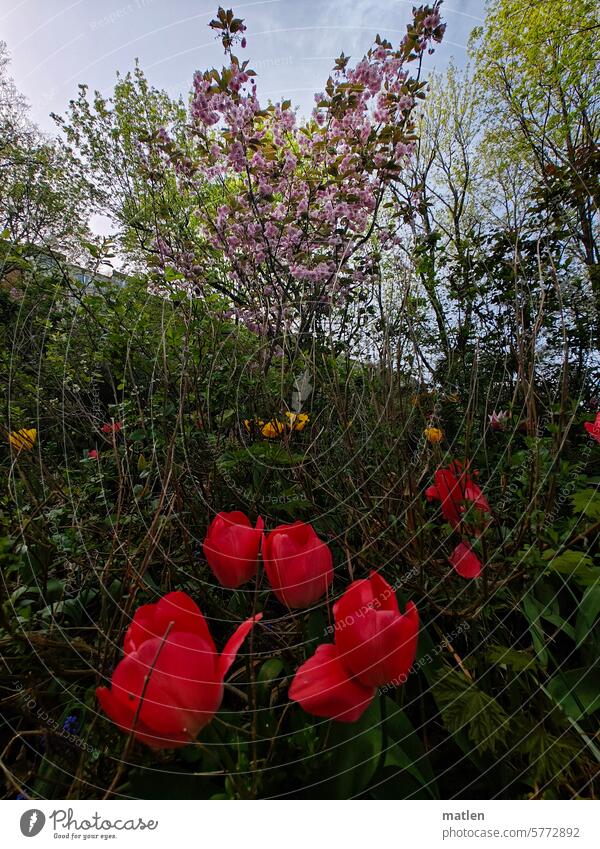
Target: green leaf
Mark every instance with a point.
(429, 658)
(464, 706)
(513, 659)
(54, 590)
(268, 677)
(576, 565)
(356, 750)
(577, 691)
(317, 629)
(532, 610)
(587, 501)
(589, 609)
(273, 453)
(227, 415)
(405, 750)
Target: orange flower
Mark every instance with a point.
(272, 429)
(433, 434)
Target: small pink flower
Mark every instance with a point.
(93, 454)
(498, 420)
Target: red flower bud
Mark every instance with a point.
(231, 548)
(298, 564)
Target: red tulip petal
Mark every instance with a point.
(185, 669)
(123, 714)
(286, 541)
(117, 709)
(593, 428)
(127, 685)
(380, 647)
(153, 620)
(142, 628)
(365, 644)
(473, 493)
(465, 561)
(384, 597)
(450, 495)
(432, 494)
(234, 517)
(323, 687)
(233, 644)
(357, 596)
(363, 595)
(398, 650)
(179, 608)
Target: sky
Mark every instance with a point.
(57, 44)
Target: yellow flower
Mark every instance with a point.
(297, 421)
(433, 434)
(272, 429)
(24, 438)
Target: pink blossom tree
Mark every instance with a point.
(288, 210)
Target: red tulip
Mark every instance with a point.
(169, 685)
(446, 489)
(231, 547)
(453, 486)
(593, 428)
(298, 564)
(93, 454)
(465, 561)
(374, 645)
(375, 641)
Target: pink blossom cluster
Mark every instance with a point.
(291, 208)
